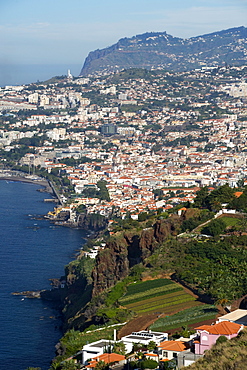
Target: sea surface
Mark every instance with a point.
(22, 74)
(31, 252)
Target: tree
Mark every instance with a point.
(70, 365)
(101, 365)
(151, 345)
(201, 195)
(215, 227)
(119, 348)
(142, 216)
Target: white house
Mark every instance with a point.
(143, 337)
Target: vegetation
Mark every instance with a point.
(142, 297)
(187, 317)
(152, 288)
(215, 267)
(215, 227)
(74, 340)
(100, 191)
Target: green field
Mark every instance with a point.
(230, 221)
(186, 317)
(157, 296)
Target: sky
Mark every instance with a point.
(61, 33)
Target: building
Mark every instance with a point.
(143, 337)
(95, 349)
(169, 350)
(208, 334)
(107, 358)
(108, 129)
(238, 316)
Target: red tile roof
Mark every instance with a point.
(222, 328)
(107, 358)
(173, 345)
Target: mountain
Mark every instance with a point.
(160, 50)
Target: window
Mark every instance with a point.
(175, 355)
(165, 354)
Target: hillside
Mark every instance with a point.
(143, 273)
(213, 267)
(160, 50)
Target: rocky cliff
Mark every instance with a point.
(86, 291)
(160, 50)
(127, 249)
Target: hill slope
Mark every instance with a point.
(160, 50)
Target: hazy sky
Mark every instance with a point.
(64, 31)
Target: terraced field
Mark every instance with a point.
(160, 296)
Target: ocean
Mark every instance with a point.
(31, 252)
(22, 74)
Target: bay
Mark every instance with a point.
(31, 252)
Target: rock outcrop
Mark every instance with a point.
(127, 249)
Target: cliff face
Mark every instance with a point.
(111, 265)
(128, 249)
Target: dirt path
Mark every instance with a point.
(137, 324)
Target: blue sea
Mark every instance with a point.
(22, 74)
(31, 252)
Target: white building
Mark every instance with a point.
(95, 349)
(143, 337)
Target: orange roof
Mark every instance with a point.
(107, 358)
(238, 194)
(173, 345)
(222, 328)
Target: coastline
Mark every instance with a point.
(45, 184)
(31, 254)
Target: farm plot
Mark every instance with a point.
(157, 296)
(186, 317)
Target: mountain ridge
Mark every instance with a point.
(153, 50)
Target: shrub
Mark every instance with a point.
(221, 339)
(214, 228)
(148, 364)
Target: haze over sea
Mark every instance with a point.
(31, 252)
(22, 74)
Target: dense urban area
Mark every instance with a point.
(140, 133)
(154, 163)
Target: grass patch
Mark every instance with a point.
(230, 221)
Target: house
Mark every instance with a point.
(170, 349)
(95, 349)
(208, 334)
(143, 337)
(238, 316)
(152, 356)
(107, 358)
